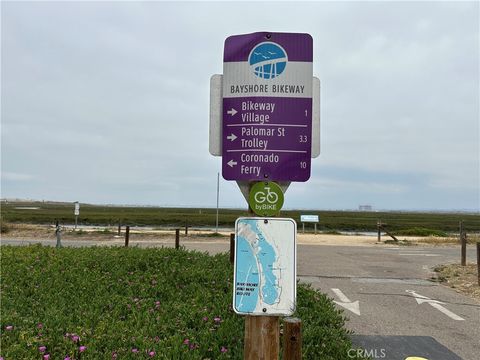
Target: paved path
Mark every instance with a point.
(384, 290)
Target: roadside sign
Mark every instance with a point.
(76, 211)
(266, 198)
(309, 218)
(265, 266)
(216, 119)
(267, 107)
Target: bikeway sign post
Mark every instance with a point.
(261, 112)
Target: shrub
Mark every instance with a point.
(103, 301)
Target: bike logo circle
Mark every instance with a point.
(268, 60)
(266, 198)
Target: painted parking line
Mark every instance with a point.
(418, 254)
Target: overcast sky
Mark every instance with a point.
(108, 102)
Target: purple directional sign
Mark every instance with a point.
(267, 107)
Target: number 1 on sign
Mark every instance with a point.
(306, 113)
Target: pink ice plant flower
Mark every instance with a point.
(217, 319)
(82, 348)
(39, 325)
(67, 358)
(42, 349)
(75, 338)
(114, 355)
(46, 357)
(186, 342)
(205, 318)
(151, 353)
(9, 327)
(223, 349)
(135, 350)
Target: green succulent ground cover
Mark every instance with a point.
(132, 303)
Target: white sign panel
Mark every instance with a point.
(76, 212)
(309, 218)
(265, 266)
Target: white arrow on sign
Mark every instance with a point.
(231, 137)
(434, 303)
(232, 112)
(346, 303)
(232, 163)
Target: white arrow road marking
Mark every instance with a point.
(232, 163)
(231, 137)
(232, 112)
(346, 303)
(434, 303)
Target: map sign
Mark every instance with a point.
(265, 266)
(267, 107)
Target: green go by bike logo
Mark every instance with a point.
(266, 198)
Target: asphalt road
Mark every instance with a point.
(384, 290)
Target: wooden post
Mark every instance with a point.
(58, 233)
(186, 227)
(460, 225)
(177, 238)
(119, 228)
(262, 333)
(478, 262)
(303, 228)
(262, 338)
(379, 231)
(463, 238)
(292, 339)
(315, 228)
(127, 235)
(232, 248)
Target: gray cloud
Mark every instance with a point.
(108, 102)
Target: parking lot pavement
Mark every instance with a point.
(386, 292)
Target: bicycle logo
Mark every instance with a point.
(269, 196)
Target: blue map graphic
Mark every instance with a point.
(254, 284)
(268, 60)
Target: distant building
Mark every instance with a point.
(365, 207)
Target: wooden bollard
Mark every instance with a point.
(478, 262)
(379, 231)
(262, 338)
(232, 248)
(177, 238)
(119, 228)
(464, 248)
(292, 339)
(186, 227)
(460, 226)
(127, 235)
